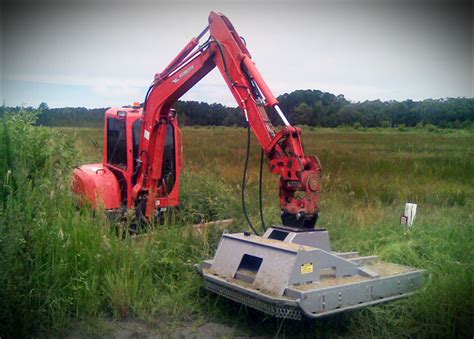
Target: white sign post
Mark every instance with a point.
(408, 217)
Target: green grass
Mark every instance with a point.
(60, 264)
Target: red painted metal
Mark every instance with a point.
(112, 185)
(298, 173)
(226, 50)
(97, 185)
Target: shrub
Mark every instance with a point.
(34, 170)
(402, 128)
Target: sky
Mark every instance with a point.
(105, 53)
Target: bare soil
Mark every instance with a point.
(133, 328)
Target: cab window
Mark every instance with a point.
(116, 142)
(169, 166)
(137, 133)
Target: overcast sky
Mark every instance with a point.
(100, 54)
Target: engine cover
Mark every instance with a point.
(97, 185)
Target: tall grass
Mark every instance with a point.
(59, 263)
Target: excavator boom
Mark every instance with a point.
(299, 174)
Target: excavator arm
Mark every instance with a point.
(299, 174)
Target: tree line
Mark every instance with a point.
(302, 107)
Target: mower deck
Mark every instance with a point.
(288, 278)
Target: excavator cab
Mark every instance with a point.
(109, 185)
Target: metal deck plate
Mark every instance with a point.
(286, 279)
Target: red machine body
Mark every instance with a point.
(98, 185)
(147, 171)
(109, 185)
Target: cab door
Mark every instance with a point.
(171, 165)
(116, 152)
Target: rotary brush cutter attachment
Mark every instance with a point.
(291, 273)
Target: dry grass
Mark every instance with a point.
(367, 170)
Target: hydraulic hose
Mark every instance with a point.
(260, 191)
(244, 178)
(244, 182)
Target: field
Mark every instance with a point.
(73, 273)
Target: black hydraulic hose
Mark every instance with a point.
(260, 191)
(147, 95)
(221, 51)
(244, 180)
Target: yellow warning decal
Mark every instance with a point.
(307, 268)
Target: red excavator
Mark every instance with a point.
(143, 149)
(291, 270)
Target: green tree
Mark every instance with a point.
(43, 107)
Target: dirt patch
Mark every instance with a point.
(135, 329)
(209, 330)
(130, 328)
